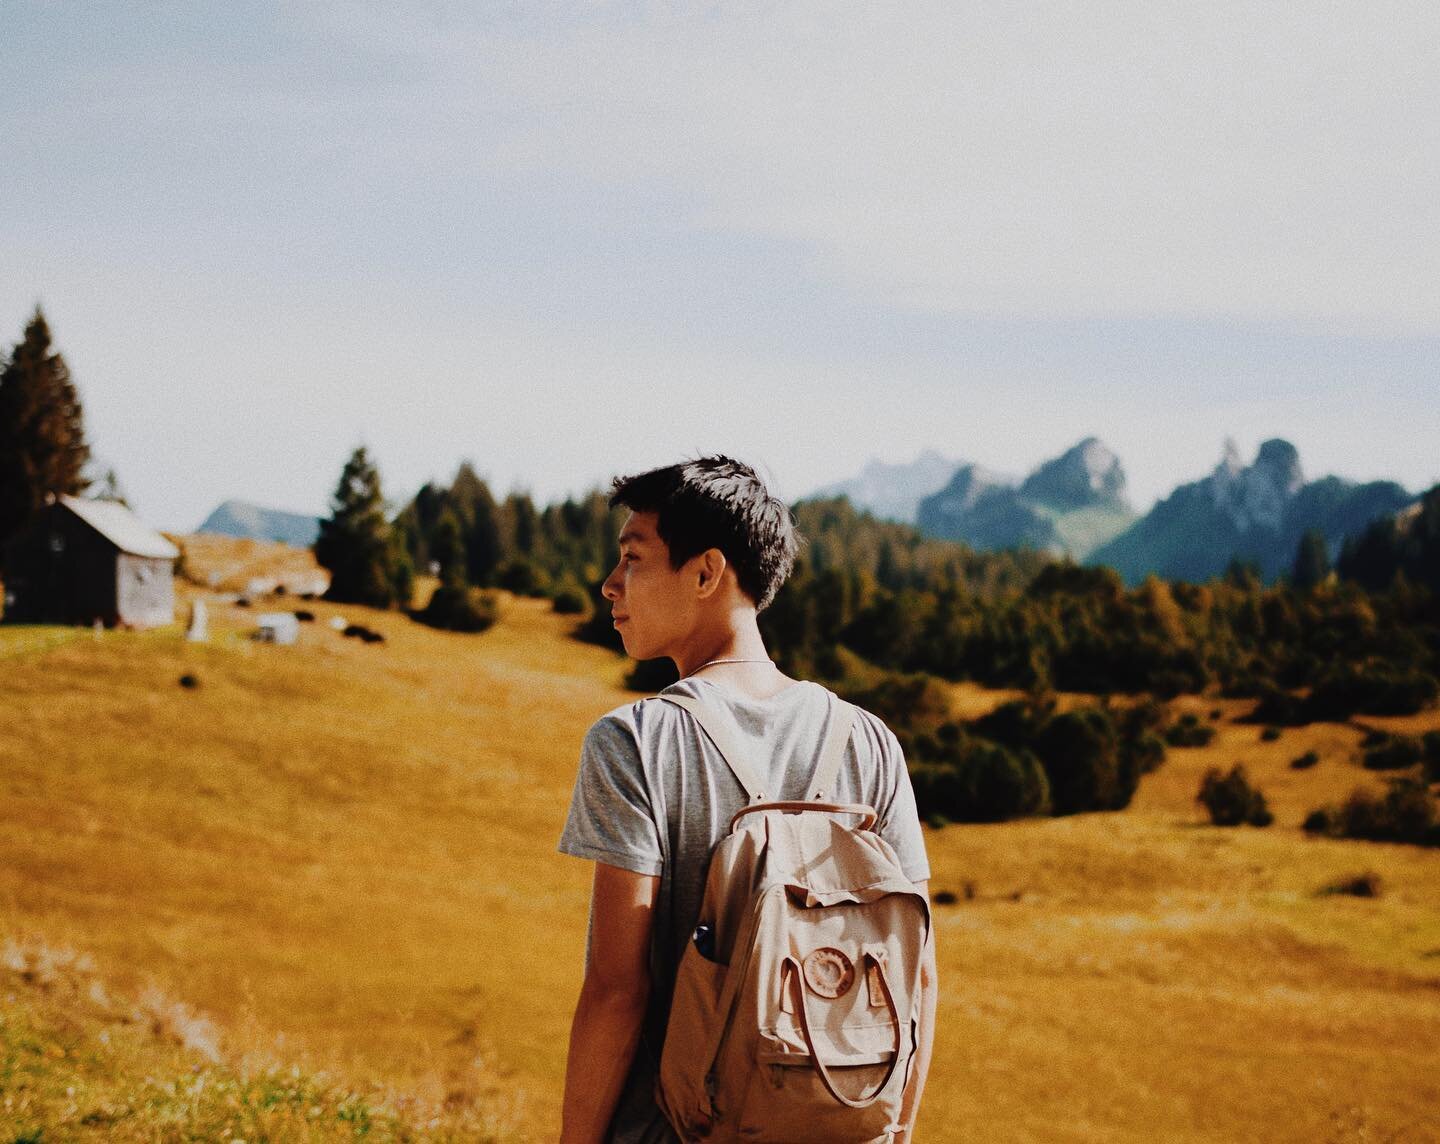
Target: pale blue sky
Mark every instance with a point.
(569, 240)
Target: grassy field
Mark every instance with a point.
(341, 858)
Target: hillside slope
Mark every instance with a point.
(348, 850)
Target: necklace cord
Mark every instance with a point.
(713, 662)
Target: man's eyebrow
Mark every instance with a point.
(630, 536)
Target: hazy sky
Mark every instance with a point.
(570, 240)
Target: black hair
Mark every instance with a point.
(717, 502)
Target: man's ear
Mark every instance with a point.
(710, 567)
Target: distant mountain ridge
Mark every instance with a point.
(1075, 505)
(1068, 506)
(254, 522)
(1255, 513)
(893, 492)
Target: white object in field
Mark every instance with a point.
(277, 627)
(339, 623)
(197, 631)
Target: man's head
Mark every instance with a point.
(698, 520)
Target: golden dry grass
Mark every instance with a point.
(346, 853)
(229, 564)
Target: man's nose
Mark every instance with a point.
(610, 589)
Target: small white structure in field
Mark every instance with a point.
(197, 630)
(260, 586)
(277, 627)
(339, 623)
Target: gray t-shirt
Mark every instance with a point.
(654, 796)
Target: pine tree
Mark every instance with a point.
(356, 542)
(42, 435)
(1312, 561)
(478, 514)
(447, 549)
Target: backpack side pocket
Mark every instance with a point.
(689, 1036)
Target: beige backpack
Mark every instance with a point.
(795, 1016)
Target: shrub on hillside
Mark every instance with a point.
(1014, 724)
(1189, 732)
(1231, 800)
(523, 577)
(1431, 744)
(961, 778)
(1080, 751)
(1277, 707)
(460, 608)
(916, 701)
(1304, 762)
(651, 675)
(1366, 885)
(1406, 812)
(1141, 745)
(1393, 753)
(1371, 689)
(570, 600)
(1145, 752)
(1270, 734)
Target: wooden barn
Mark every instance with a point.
(80, 561)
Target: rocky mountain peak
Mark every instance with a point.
(1281, 460)
(1086, 474)
(1256, 497)
(969, 484)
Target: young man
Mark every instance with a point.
(704, 549)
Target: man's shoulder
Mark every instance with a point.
(626, 724)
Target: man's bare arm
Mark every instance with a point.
(611, 1010)
(929, 994)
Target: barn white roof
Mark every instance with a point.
(121, 527)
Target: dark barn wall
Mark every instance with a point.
(60, 571)
(145, 590)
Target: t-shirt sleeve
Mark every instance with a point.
(611, 819)
(899, 820)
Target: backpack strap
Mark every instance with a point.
(832, 752)
(715, 727)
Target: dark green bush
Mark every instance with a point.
(1014, 724)
(904, 700)
(570, 600)
(460, 608)
(1323, 820)
(651, 675)
(961, 778)
(1189, 732)
(524, 578)
(1080, 751)
(1366, 885)
(1431, 743)
(1371, 689)
(1231, 800)
(1145, 752)
(1277, 707)
(1304, 762)
(1393, 753)
(1406, 812)
(1270, 734)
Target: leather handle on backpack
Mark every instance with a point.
(797, 985)
(867, 814)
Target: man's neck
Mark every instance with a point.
(733, 654)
